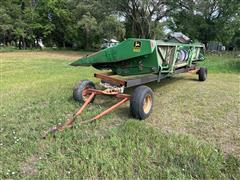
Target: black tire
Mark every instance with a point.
(138, 101)
(202, 74)
(78, 90)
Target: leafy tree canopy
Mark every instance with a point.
(84, 23)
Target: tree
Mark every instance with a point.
(111, 27)
(89, 25)
(5, 25)
(94, 22)
(142, 15)
(58, 20)
(83, 23)
(7, 19)
(205, 20)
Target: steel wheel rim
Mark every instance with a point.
(147, 103)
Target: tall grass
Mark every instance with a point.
(222, 63)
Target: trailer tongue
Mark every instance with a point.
(134, 62)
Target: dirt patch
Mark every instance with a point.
(230, 148)
(29, 166)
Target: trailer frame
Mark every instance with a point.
(143, 79)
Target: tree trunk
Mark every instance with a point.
(30, 45)
(36, 44)
(206, 44)
(87, 39)
(20, 43)
(24, 43)
(4, 39)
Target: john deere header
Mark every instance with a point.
(142, 56)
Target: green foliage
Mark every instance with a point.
(156, 29)
(89, 26)
(56, 22)
(207, 20)
(142, 17)
(112, 28)
(83, 24)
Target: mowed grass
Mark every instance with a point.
(193, 131)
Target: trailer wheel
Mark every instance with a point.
(202, 74)
(141, 102)
(78, 91)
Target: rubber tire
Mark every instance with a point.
(78, 89)
(137, 100)
(202, 74)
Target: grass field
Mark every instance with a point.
(193, 132)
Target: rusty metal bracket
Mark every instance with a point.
(107, 77)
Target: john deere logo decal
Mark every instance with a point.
(137, 46)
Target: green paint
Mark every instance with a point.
(142, 56)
